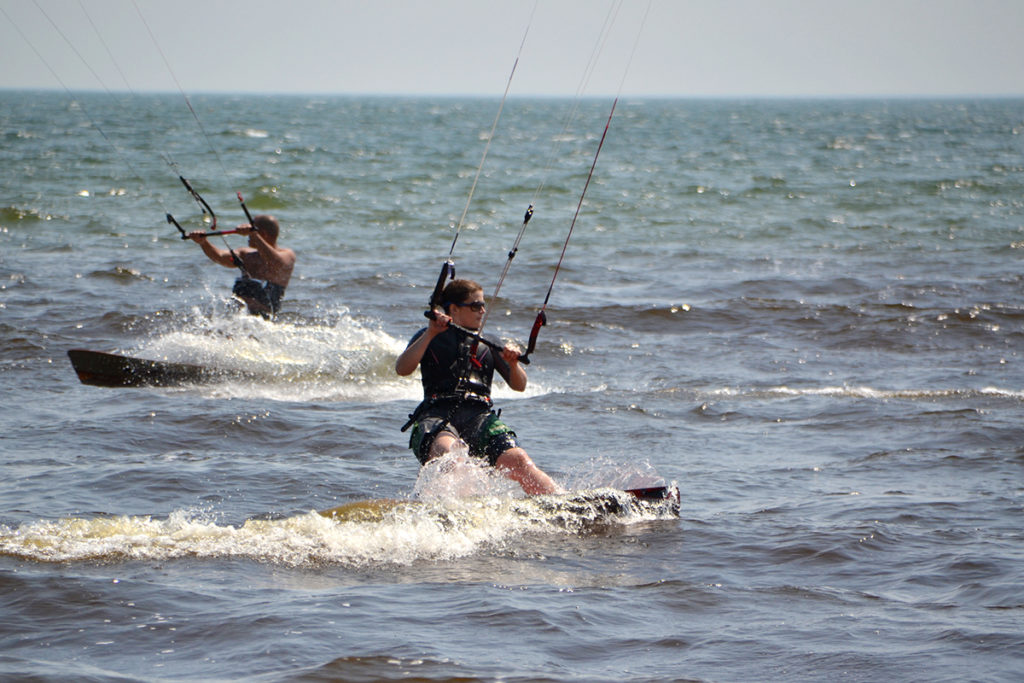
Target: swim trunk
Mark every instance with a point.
(269, 294)
(472, 421)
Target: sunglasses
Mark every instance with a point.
(475, 305)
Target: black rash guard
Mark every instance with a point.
(448, 368)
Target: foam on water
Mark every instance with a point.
(336, 357)
(458, 507)
(437, 529)
(399, 538)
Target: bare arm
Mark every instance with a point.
(409, 359)
(516, 378)
(221, 256)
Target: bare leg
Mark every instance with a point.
(517, 466)
(444, 443)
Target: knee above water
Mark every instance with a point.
(514, 458)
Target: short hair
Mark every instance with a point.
(457, 291)
(267, 226)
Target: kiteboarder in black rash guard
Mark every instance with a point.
(456, 407)
(262, 260)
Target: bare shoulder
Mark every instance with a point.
(287, 256)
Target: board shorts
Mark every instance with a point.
(472, 421)
(269, 294)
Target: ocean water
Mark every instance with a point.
(806, 314)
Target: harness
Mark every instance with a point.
(457, 399)
(463, 365)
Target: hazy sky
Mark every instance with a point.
(686, 48)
